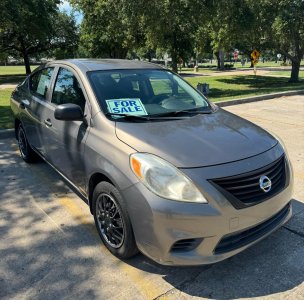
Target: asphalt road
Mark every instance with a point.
(49, 247)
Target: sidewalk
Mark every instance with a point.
(7, 86)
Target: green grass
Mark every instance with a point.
(286, 73)
(239, 86)
(13, 74)
(14, 70)
(6, 115)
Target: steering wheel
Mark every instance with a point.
(176, 103)
(157, 99)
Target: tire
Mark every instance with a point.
(112, 221)
(26, 152)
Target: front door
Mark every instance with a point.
(65, 140)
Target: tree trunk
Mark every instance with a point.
(174, 51)
(118, 52)
(251, 61)
(218, 60)
(174, 61)
(294, 76)
(27, 63)
(222, 62)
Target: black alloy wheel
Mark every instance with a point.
(112, 220)
(109, 220)
(26, 152)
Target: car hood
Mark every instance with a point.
(197, 141)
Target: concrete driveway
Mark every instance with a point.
(49, 247)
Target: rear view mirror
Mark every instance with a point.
(69, 112)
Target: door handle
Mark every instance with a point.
(48, 123)
(24, 104)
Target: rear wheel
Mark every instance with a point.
(26, 152)
(112, 221)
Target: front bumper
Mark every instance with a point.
(159, 223)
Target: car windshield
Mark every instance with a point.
(145, 93)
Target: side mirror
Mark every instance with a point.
(69, 112)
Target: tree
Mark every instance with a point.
(250, 33)
(232, 24)
(171, 25)
(287, 32)
(30, 27)
(279, 27)
(202, 43)
(3, 57)
(113, 28)
(65, 40)
(109, 28)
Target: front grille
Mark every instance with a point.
(244, 190)
(185, 245)
(243, 238)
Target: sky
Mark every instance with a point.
(65, 6)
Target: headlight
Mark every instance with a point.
(163, 179)
(280, 141)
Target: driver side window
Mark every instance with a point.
(67, 89)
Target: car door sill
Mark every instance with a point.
(75, 189)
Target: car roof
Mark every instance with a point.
(87, 64)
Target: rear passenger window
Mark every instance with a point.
(67, 89)
(40, 82)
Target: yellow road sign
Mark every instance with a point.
(255, 54)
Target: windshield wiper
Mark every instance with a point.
(145, 117)
(128, 116)
(184, 111)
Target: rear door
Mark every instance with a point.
(33, 104)
(65, 140)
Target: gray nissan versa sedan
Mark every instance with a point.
(163, 170)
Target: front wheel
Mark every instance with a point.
(112, 221)
(26, 152)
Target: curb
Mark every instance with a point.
(258, 98)
(7, 133)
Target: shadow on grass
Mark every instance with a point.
(261, 82)
(191, 74)
(217, 94)
(257, 85)
(12, 79)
